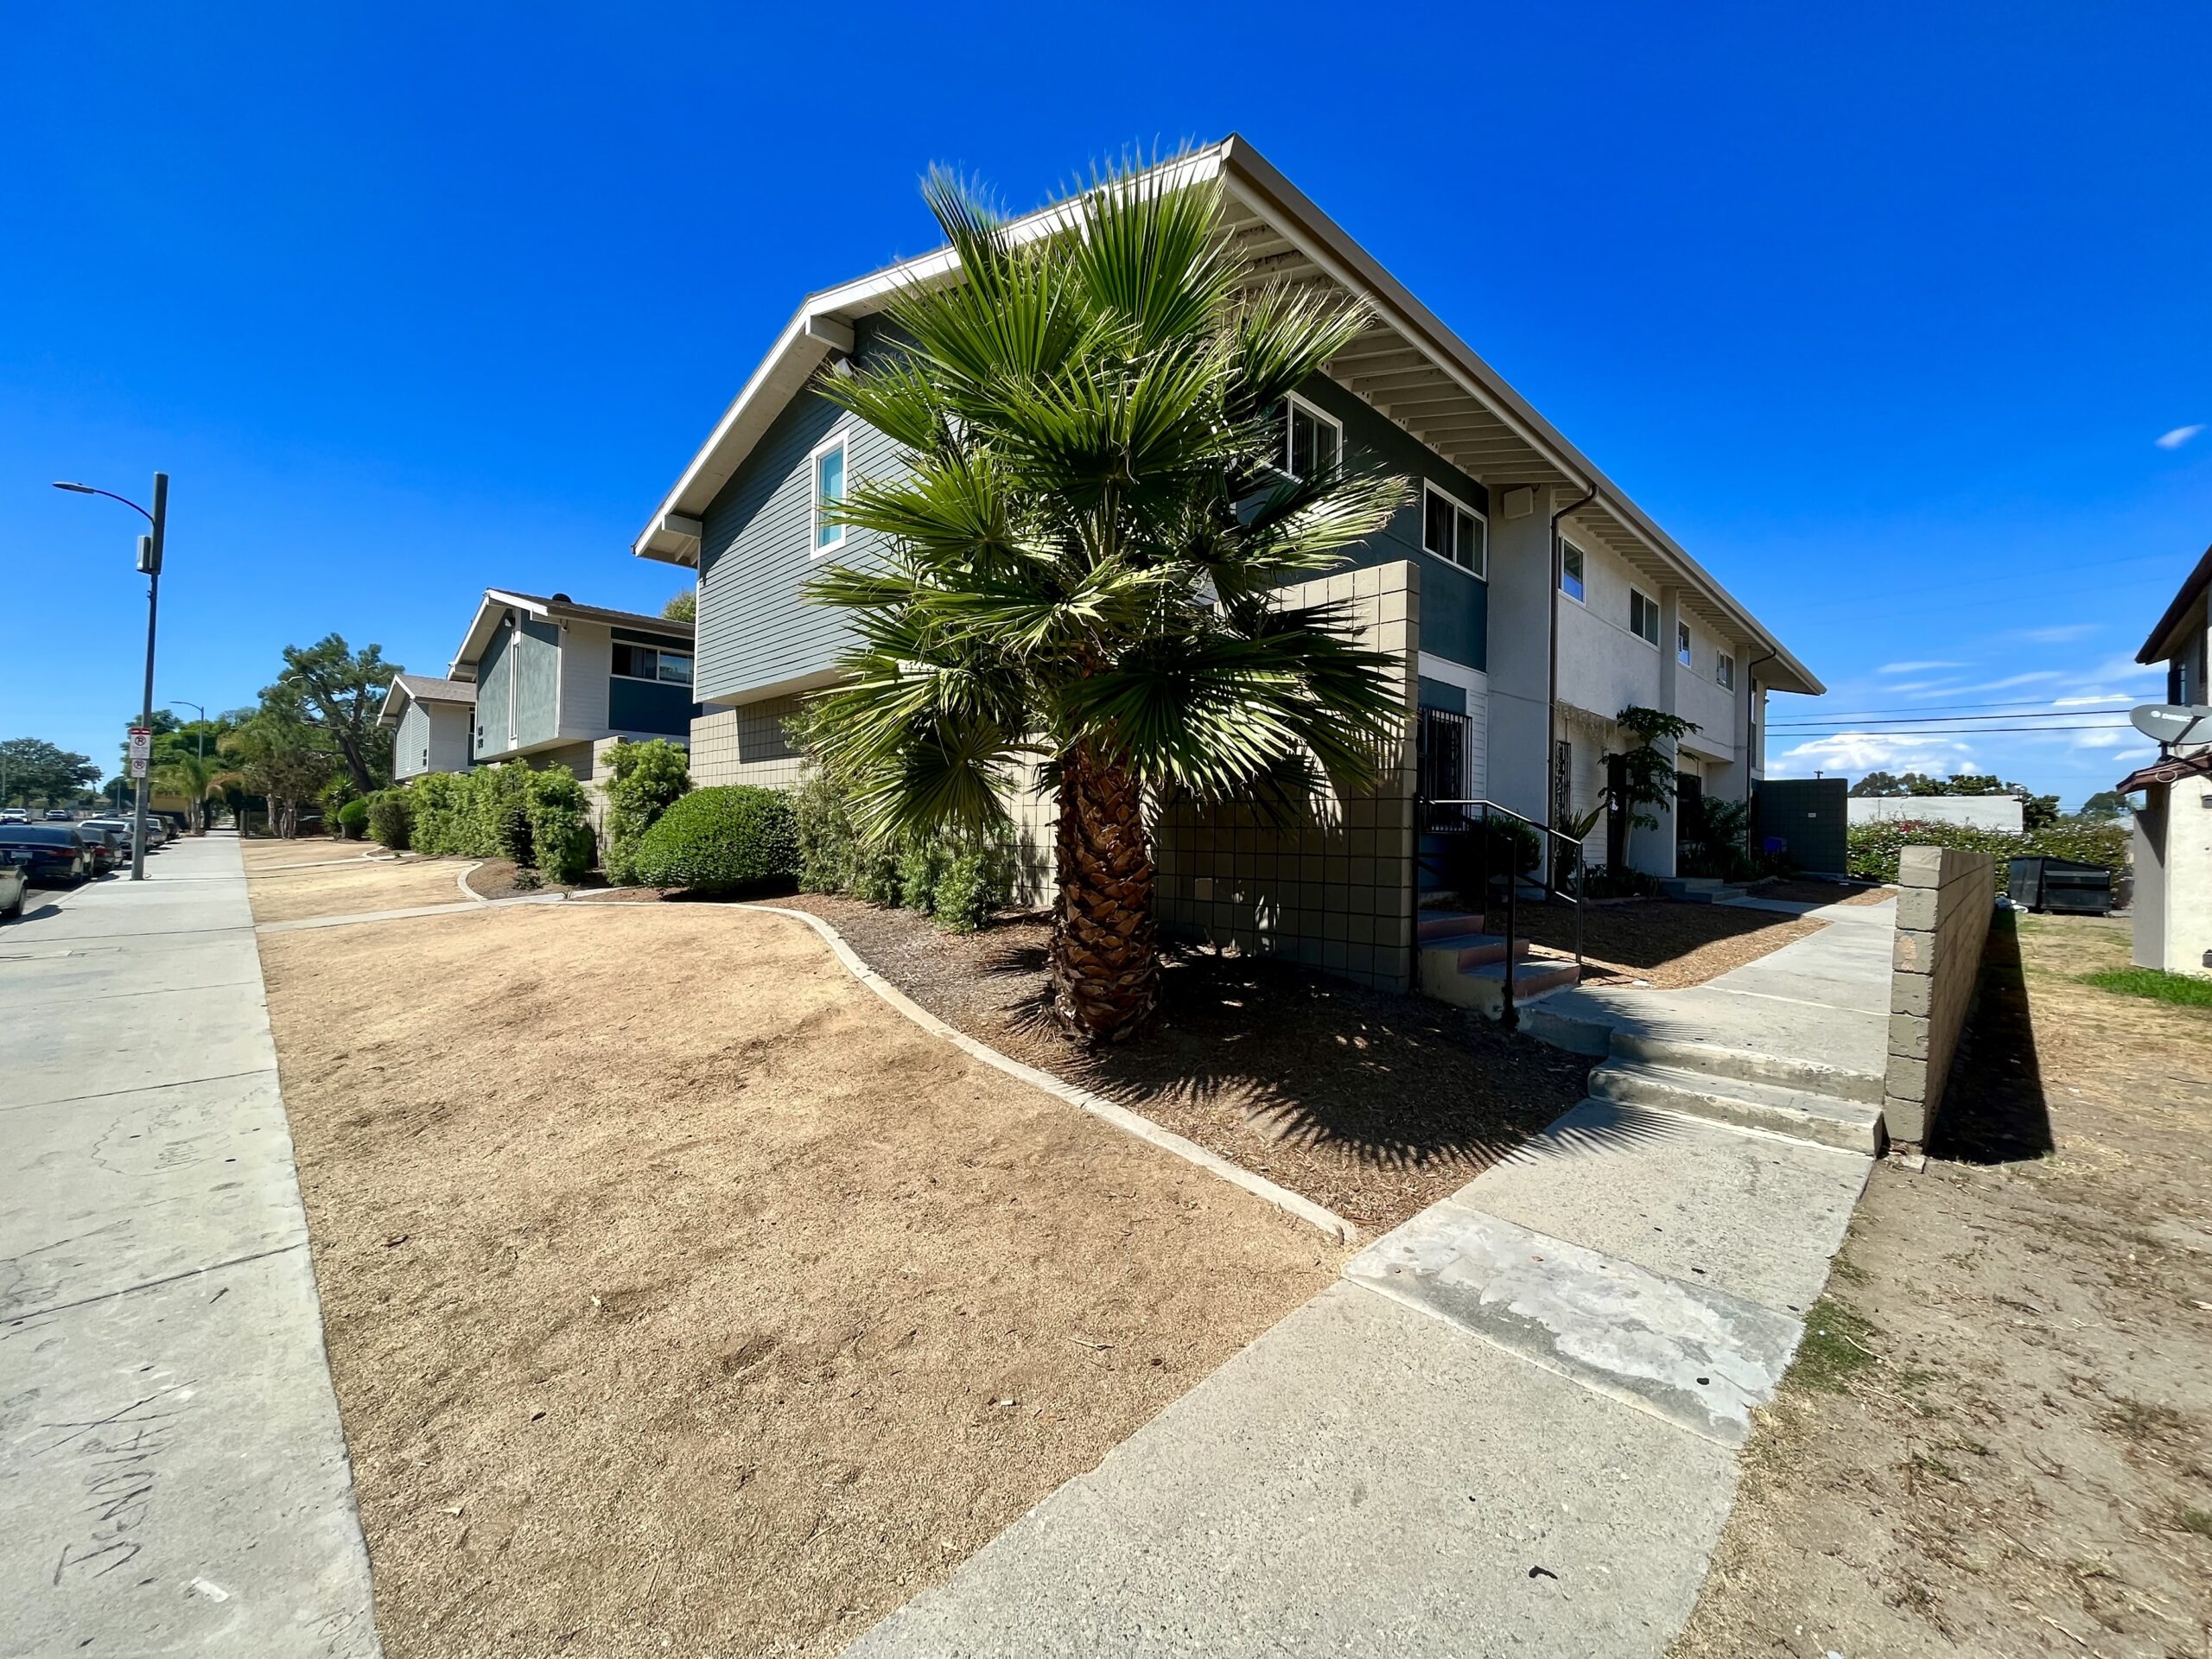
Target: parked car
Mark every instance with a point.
(15, 879)
(157, 833)
(59, 815)
(108, 846)
(13, 814)
(59, 856)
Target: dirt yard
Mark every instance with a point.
(1375, 1105)
(1998, 1437)
(285, 882)
(682, 1297)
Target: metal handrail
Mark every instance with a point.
(1509, 1015)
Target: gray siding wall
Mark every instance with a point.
(491, 671)
(754, 630)
(410, 744)
(523, 663)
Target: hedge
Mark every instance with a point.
(958, 881)
(721, 841)
(512, 811)
(353, 819)
(1874, 846)
(645, 780)
(392, 818)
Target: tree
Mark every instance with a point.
(1876, 784)
(1647, 772)
(283, 761)
(1085, 548)
(338, 693)
(2106, 805)
(684, 607)
(31, 765)
(198, 779)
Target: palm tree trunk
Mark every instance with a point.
(1105, 960)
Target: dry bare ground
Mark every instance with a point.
(1999, 1437)
(682, 1297)
(286, 882)
(1659, 942)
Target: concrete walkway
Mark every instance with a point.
(1511, 1427)
(173, 1479)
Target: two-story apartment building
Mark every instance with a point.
(433, 723)
(555, 682)
(2173, 830)
(1524, 595)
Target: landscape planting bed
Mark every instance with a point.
(682, 1296)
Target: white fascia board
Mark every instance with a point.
(494, 605)
(1320, 239)
(387, 714)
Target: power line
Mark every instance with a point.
(1943, 731)
(1945, 719)
(2021, 703)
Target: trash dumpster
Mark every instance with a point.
(2063, 887)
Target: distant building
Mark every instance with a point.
(431, 721)
(2005, 812)
(2173, 831)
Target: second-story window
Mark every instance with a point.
(652, 663)
(1723, 671)
(1453, 530)
(828, 495)
(1570, 572)
(1643, 618)
(1312, 441)
(1682, 645)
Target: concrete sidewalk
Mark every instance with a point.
(1510, 1428)
(173, 1479)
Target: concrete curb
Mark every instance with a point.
(1098, 1106)
(467, 892)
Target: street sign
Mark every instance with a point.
(2170, 722)
(141, 749)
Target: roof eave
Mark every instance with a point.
(2193, 586)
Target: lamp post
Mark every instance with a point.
(149, 566)
(200, 745)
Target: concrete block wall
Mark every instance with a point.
(1942, 921)
(1336, 895)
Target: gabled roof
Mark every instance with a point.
(551, 608)
(422, 688)
(2154, 649)
(1408, 366)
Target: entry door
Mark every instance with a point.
(1689, 805)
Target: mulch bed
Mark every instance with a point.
(1372, 1103)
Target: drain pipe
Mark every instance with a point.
(1551, 684)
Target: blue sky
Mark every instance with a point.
(1881, 311)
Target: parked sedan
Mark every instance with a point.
(15, 879)
(59, 815)
(157, 834)
(108, 848)
(13, 814)
(57, 855)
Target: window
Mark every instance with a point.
(829, 492)
(1682, 645)
(652, 663)
(1312, 441)
(1570, 571)
(1643, 618)
(1454, 532)
(1723, 671)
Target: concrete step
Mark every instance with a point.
(1699, 890)
(1801, 1114)
(1481, 985)
(1474, 949)
(1446, 923)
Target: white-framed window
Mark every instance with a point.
(1454, 531)
(659, 662)
(1570, 573)
(1723, 671)
(1643, 618)
(1682, 653)
(826, 467)
(1312, 441)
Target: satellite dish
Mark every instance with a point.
(2170, 722)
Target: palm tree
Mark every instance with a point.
(1086, 544)
(198, 779)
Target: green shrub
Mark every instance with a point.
(645, 779)
(973, 884)
(391, 819)
(1874, 846)
(719, 841)
(353, 819)
(1712, 833)
(562, 843)
(442, 806)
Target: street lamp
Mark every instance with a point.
(199, 743)
(149, 566)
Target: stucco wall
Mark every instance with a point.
(1336, 896)
(1943, 915)
(2173, 878)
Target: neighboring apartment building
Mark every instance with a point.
(2173, 832)
(556, 683)
(433, 723)
(1512, 540)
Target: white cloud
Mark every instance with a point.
(1913, 668)
(2059, 635)
(2178, 436)
(2092, 700)
(1861, 752)
(2102, 740)
(2122, 668)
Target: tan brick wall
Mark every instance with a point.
(1943, 914)
(745, 745)
(1334, 895)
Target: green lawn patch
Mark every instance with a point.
(2185, 990)
(1834, 1350)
